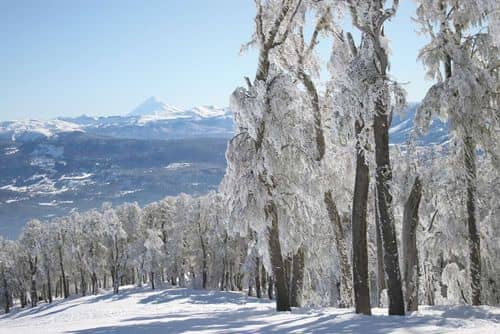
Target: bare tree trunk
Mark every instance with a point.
(359, 240)
(204, 263)
(231, 278)
(270, 287)
(384, 201)
(22, 298)
(49, 285)
(409, 240)
(380, 255)
(33, 292)
(297, 278)
(279, 271)
(83, 284)
(472, 224)
(94, 283)
(65, 286)
(263, 276)
(258, 290)
(152, 279)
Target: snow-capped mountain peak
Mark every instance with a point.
(154, 106)
(153, 110)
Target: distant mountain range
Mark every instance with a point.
(152, 119)
(51, 168)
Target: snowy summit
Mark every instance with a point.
(153, 109)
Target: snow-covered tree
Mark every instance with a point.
(30, 240)
(466, 94)
(382, 98)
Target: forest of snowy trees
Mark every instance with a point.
(316, 208)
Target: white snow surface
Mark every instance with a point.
(180, 310)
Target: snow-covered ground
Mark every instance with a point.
(140, 310)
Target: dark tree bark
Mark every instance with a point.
(49, 284)
(152, 279)
(263, 276)
(270, 288)
(224, 261)
(361, 281)
(380, 256)
(297, 278)
(384, 201)
(472, 224)
(93, 278)
(258, 290)
(65, 286)
(277, 262)
(409, 241)
(83, 284)
(204, 274)
(23, 298)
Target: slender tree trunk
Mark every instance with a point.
(6, 293)
(297, 278)
(258, 291)
(270, 287)
(384, 200)
(65, 286)
(277, 262)
(239, 281)
(263, 276)
(116, 283)
(33, 292)
(342, 252)
(288, 271)
(409, 240)
(22, 298)
(94, 283)
(49, 285)
(359, 241)
(380, 255)
(83, 284)
(204, 264)
(152, 279)
(472, 224)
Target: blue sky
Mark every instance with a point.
(67, 58)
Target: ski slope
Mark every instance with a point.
(179, 310)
